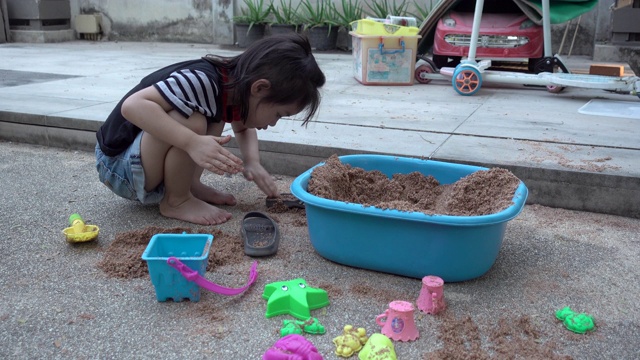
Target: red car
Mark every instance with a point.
(503, 36)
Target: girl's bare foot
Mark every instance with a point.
(193, 210)
(211, 195)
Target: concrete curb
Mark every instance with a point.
(593, 192)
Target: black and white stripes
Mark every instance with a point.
(190, 90)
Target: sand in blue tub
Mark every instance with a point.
(408, 243)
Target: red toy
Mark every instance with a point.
(502, 36)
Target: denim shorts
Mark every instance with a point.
(123, 174)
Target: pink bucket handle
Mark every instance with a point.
(382, 316)
(193, 276)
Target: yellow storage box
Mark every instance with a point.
(384, 60)
(372, 27)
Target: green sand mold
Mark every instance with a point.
(310, 326)
(578, 323)
(293, 297)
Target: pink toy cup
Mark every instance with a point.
(397, 321)
(431, 298)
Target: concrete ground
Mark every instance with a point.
(58, 304)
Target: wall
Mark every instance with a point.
(198, 21)
(153, 20)
(587, 31)
(5, 35)
(603, 25)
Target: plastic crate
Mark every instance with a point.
(191, 249)
(384, 60)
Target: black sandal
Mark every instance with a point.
(260, 234)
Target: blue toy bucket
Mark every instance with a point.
(190, 249)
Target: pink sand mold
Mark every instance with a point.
(398, 321)
(431, 298)
(292, 347)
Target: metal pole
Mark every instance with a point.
(475, 31)
(546, 28)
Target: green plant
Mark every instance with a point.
(318, 14)
(422, 11)
(255, 13)
(351, 11)
(285, 14)
(382, 8)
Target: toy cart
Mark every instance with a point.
(468, 76)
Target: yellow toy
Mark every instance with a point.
(79, 232)
(379, 347)
(351, 341)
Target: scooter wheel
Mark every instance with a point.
(422, 71)
(466, 80)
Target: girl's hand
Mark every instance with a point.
(256, 173)
(207, 151)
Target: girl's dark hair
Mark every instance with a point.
(286, 61)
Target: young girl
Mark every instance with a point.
(160, 137)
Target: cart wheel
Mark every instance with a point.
(554, 89)
(428, 60)
(424, 69)
(558, 66)
(466, 80)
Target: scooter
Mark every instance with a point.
(468, 76)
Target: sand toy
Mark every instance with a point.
(579, 323)
(351, 341)
(260, 234)
(78, 231)
(378, 347)
(293, 297)
(292, 346)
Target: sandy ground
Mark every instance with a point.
(58, 304)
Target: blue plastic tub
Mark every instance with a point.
(191, 249)
(455, 248)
